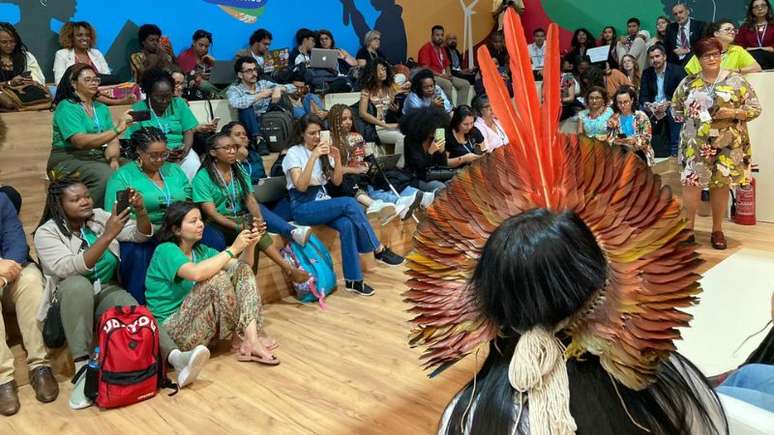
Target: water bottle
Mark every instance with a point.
(90, 386)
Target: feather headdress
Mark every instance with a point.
(632, 324)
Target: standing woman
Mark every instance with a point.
(199, 294)
(464, 142)
(734, 57)
(160, 183)
(171, 115)
(15, 60)
(757, 33)
(592, 122)
(378, 91)
(609, 38)
(308, 167)
(224, 192)
(78, 249)
(631, 68)
(630, 128)
(488, 124)
(715, 150)
(84, 136)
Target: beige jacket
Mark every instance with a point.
(61, 257)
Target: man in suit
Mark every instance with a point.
(657, 87)
(682, 35)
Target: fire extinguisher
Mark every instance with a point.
(745, 203)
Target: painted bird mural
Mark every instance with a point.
(246, 11)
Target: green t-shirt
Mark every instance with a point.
(105, 268)
(165, 291)
(228, 200)
(734, 59)
(157, 199)
(71, 119)
(176, 120)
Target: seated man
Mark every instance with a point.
(536, 51)
(634, 44)
(260, 41)
(156, 52)
(657, 86)
(458, 67)
(21, 287)
(434, 56)
(304, 101)
(251, 97)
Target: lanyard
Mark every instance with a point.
(760, 34)
(164, 128)
(166, 195)
(230, 190)
(97, 124)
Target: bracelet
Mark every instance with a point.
(230, 254)
(115, 130)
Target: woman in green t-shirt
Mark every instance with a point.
(171, 115)
(224, 192)
(84, 136)
(199, 294)
(78, 250)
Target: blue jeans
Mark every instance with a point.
(251, 121)
(674, 132)
(136, 257)
(752, 383)
(388, 195)
(344, 215)
(275, 224)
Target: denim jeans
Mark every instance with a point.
(674, 131)
(388, 195)
(430, 186)
(752, 383)
(274, 223)
(251, 121)
(344, 215)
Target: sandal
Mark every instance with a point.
(246, 354)
(236, 344)
(718, 240)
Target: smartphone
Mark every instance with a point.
(216, 121)
(440, 134)
(122, 200)
(140, 115)
(26, 74)
(325, 137)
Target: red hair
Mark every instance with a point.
(705, 45)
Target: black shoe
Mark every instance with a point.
(358, 287)
(263, 149)
(389, 257)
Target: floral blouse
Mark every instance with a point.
(642, 134)
(595, 128)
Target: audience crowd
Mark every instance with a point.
(187, 245)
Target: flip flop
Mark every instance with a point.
(270, 346)
(260, 360)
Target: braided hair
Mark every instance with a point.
(142, 138)
(339, 137)
(208, 164)
(53, 209)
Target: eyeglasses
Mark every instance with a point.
(157, 156)
(228, 148)
(249, 71)
(90, 80)
(714, 55)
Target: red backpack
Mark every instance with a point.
(131, 368)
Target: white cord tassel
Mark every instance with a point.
(538, 368)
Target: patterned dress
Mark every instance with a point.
(714, 153)
(595, 127)
(642, 135)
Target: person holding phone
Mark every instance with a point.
(425, 92)
(308, 167)
(155, 51)
(224, 192)
(78, 249)
(464, 142)
(84, 136)
(18, 67)
(170, 114)
(425, 131)
(196, 62)
(630, 128)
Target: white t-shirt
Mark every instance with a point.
(297, 157)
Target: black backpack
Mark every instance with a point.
(277, 128)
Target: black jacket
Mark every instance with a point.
(673, 75)
(670, 40)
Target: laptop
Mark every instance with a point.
(270, 189)
(324, 58)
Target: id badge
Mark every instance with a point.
(97, 287)
(322, 195)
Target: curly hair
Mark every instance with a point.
(590, 42)
(419, 125)
(419, 77)
(370, 80)
(155, 75)
(67, 34)
(338, 134)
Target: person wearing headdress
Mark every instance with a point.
(572, 263)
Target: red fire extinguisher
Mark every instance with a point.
(745, 204)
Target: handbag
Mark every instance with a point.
(31, 96)
(53, 330)
(440, 173)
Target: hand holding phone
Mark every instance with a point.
(140, 115)
(122, 199)
(325, 137)
(440, 134)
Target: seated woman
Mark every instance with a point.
(424, 92)
(196, 63)
(172, 116)
(84, 136)
(488, 124)
(17, 65)
(78, 40)
(756, 33)
(155, 52)
(224, 192)
(631, 68)
(308, 167)
(377, 90)
(338, 79)
(464, 142)
(346, 61)
(199, 294)
(735, 58)
(371, 49)
(424, 150)
(160, 183)
(77, 246)
(630, 128)
(355, 184)
(592, 122)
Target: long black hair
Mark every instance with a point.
(65, 90)
(208, 164)
(141, 139)
(749, 20)
(460, 113)
(19, 54)
(370, 80)
(537, 269)
(53, 209)
(590, 41)
(174, 218)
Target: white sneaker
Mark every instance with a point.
(78, 399)
(197, 358)
(375, 208)
(427, 199)
(301, 234)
